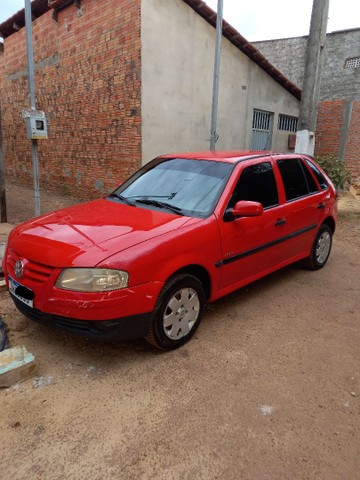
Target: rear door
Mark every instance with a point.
(304, 204)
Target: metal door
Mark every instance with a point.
(262, 128)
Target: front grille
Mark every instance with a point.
(34, 272)
(81, 326)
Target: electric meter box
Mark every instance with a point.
(36, 126)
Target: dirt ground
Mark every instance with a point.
(268, 388)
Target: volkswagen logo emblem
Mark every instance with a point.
(19, 268)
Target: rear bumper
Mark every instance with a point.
(126, 328)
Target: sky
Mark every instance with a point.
(261, 19)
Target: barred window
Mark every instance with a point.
(353, 62)
(287, 123)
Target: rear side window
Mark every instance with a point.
(257, 184)
(297, 180)
(319, 176)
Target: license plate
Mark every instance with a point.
(15, 287)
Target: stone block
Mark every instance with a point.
(16, 365)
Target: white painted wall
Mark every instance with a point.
(177, 74)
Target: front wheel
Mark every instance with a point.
(320, 250)
(178, 312)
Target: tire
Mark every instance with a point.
(4, 341)
(178, 312)
(320, 250)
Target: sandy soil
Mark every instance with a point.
(269, 387)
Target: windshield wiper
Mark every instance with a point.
(142, 197)
(156, 203)
(122, 198)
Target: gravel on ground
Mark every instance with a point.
(269, 387)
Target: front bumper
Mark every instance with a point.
(125, 328)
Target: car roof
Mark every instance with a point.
(229, 156)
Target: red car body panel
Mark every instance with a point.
(153, 245)
(85, 234)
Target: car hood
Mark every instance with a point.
(86, 234)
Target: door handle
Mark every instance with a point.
(321, 205)
(280, 221)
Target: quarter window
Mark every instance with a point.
(319, 176)
(257, 184)
(309, 179)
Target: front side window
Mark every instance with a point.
(257, 183)
(183, 186)
(296, 179)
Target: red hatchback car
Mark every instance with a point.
(184, 230)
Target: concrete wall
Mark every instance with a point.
(288, 55)
(337, 83)
(337, 131)
(177, 74)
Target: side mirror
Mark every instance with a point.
(245, 208)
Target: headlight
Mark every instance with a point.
(92, 279)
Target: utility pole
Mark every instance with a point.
(31, 76)
(3, 214)
(305, 136)
(216, 82)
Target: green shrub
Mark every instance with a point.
(336, 170)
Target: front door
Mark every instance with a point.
(251, 246)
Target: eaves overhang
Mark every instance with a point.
(246, 47)
(17, 21)
(40, 7)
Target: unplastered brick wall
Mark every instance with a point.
(329, 124)
(338, 124)
(88, 82)
(353, 143)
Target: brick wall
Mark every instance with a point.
(329, 124)
(353, 143)
(88, 81)
(336, 127)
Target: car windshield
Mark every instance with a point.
(183, 186)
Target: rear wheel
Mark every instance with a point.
(178, 312)
(320, 250)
